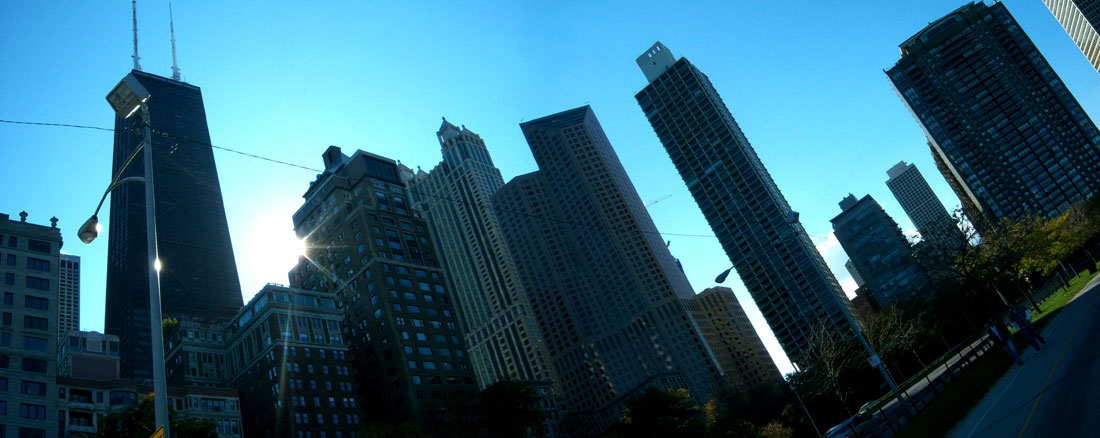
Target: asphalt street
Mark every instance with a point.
(1056, 392)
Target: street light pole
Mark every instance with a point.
(160, 386)
(127, 98)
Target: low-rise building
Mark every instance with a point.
(288, 359)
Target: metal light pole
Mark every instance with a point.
(127, 98)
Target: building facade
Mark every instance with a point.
(68, 302)
(735, 343)
(289, 362)
(501, 332)
(603, 286)
(30, 268)
(195, 352)
(1080, 18)
(88, 355)
(84, 403)
(198, 272)
(1003, 128)
(878, 250)
(368, 248)
(759, 231)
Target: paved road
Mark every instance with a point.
(1056, 392)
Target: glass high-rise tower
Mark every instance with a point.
(759, 231)
(198, 275)
(1003, 128)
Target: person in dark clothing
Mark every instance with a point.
(1022, 319)
(999, 331)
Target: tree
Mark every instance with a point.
(511, 409)
(659, 413)
(136, 421)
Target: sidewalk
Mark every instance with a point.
(1056, 392)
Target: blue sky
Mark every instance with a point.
(804, 80)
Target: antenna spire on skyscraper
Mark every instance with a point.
(137, 59)
(172, 28)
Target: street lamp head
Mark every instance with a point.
(90, 230)
(126, 98)
(722, 277)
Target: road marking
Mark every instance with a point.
(1052, 370)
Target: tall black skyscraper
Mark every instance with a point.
(759, 231)
(1003, 128)
(198, 274)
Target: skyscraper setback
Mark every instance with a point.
(603, 286)
(198, 274)
(1003, 128)
(759, 231)
(501, 332)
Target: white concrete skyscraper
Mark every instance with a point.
(919, 202)
(502, 336)
(68, 306)
(1080, 19)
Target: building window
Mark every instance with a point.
(38, 264)
(36, 303)
(33, 388)
(38, 246)
(9, 298)
(32, 322)
(34, 344)
(32, 411)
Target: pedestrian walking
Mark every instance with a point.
(999, 332)
(1021, 318)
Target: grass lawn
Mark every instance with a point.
(959, 397)
(955, 402)
(1059, 298)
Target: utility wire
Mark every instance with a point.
(529, 216)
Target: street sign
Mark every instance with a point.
(159, 433)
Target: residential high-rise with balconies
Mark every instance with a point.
(198, 274)
(759, 231)
(1003, 128)
(1080, 18)
(368, 248)
(501, 332)
(603, 286)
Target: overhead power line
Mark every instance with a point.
(285, 163)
